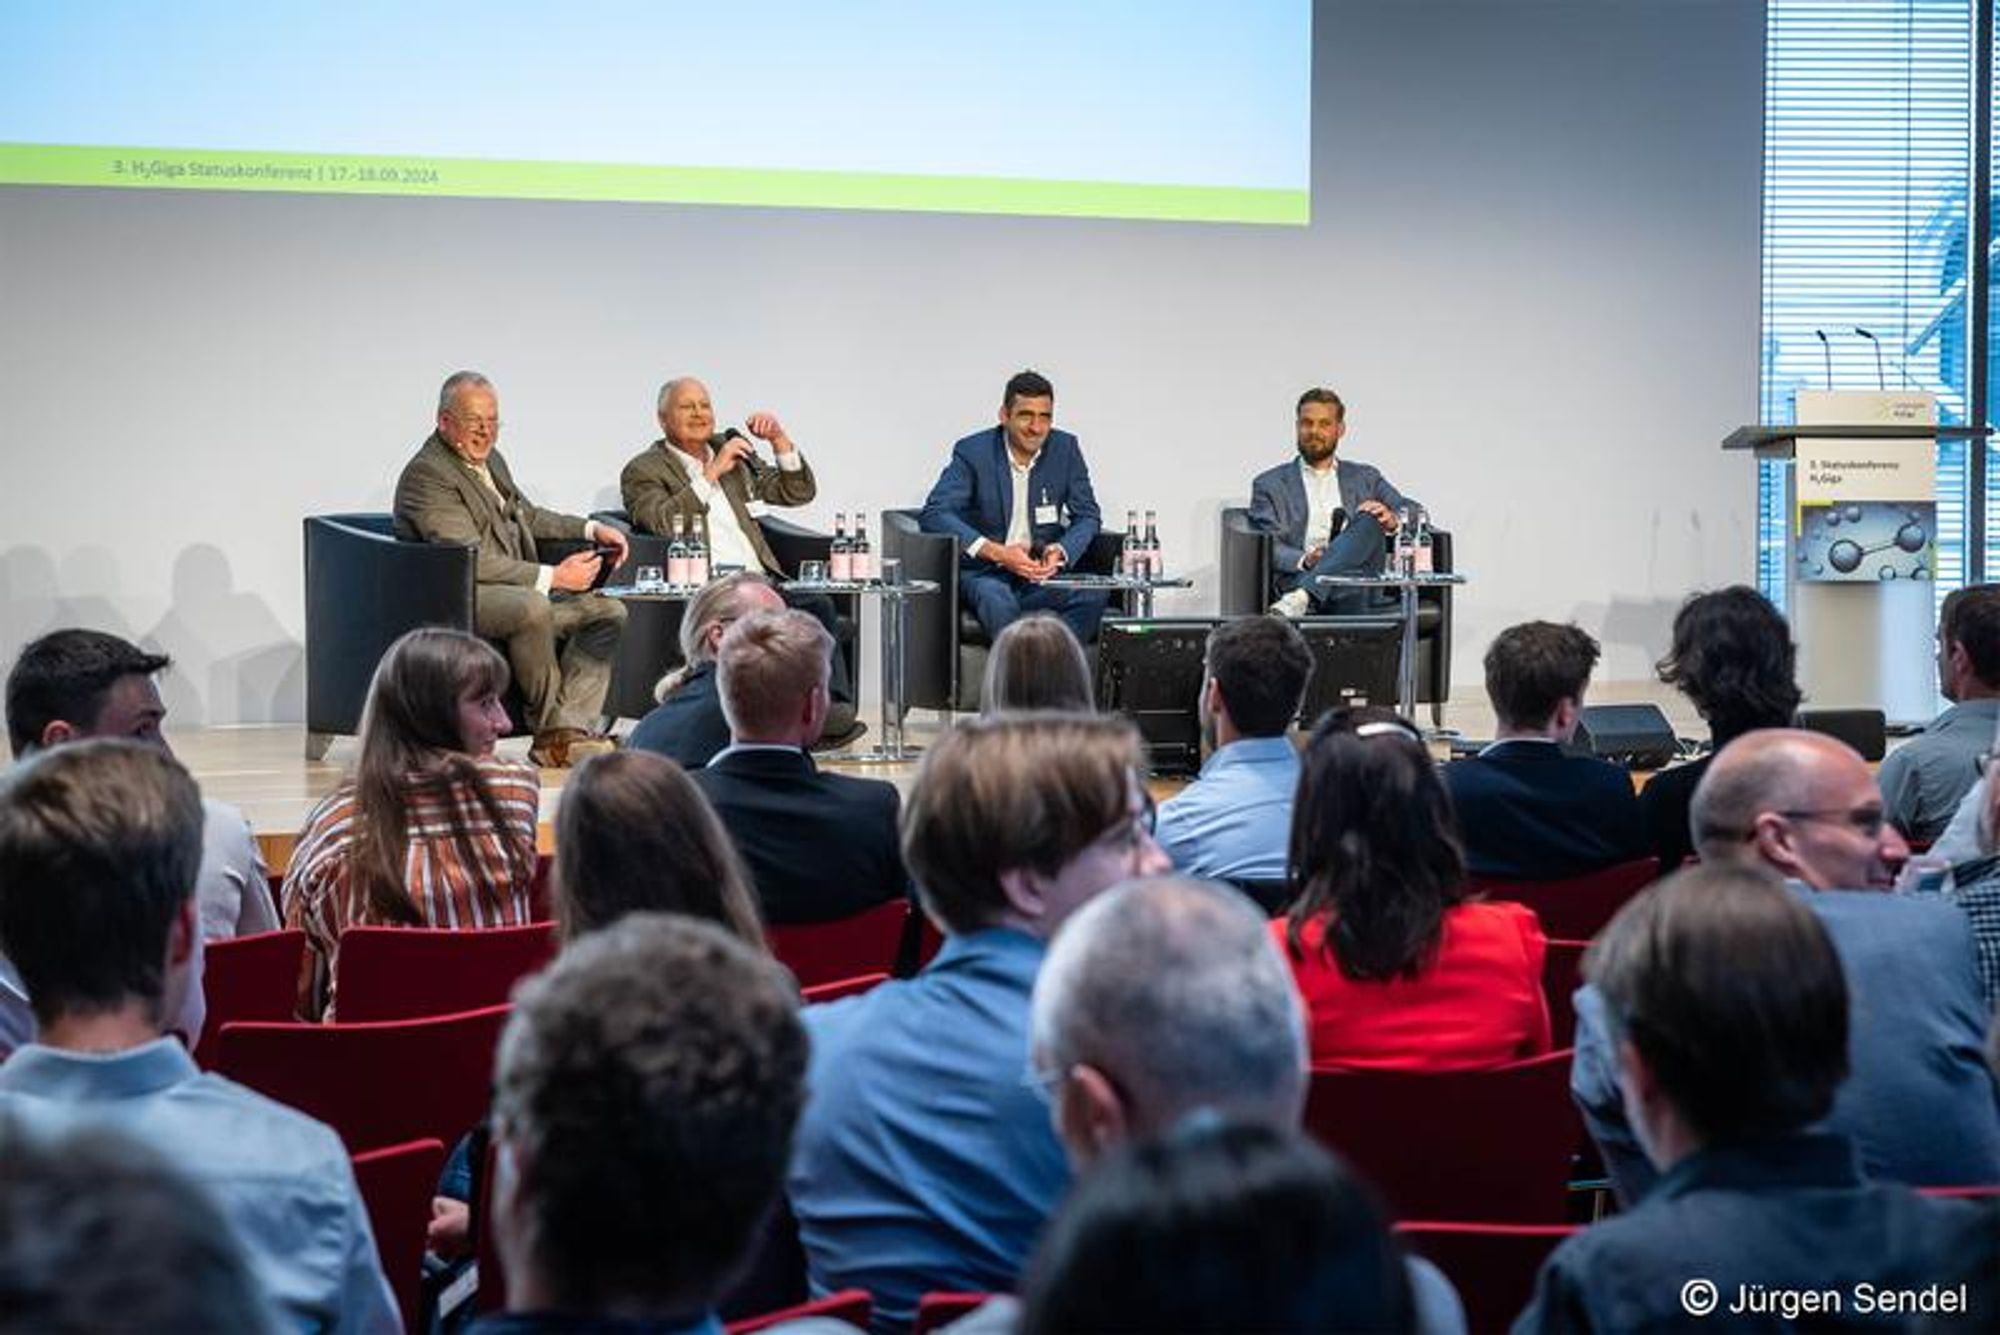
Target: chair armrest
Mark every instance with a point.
(792, 543)
(931, 645)
(1245, 565)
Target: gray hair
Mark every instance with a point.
(456, 381)
(719, 600)
(667, 392)
(1174, 988)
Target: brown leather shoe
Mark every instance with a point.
(560, 748)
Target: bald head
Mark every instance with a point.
(1160, 997)
(1803, 804)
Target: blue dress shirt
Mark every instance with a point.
(282, 1180)
(925, 1158)
(1234, 822)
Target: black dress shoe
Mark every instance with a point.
(840, 741)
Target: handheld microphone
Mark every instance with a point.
(1826, 346)
(1881, 381)
(751, 463)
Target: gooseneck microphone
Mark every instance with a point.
(1881, 381)
(1826, 346)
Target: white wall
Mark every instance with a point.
(1532, 273)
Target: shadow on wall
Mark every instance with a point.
(233, 660)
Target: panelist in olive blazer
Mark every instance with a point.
(458, 489)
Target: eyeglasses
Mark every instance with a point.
(1868, 820)
(467, 420)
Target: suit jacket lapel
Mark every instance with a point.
(1293, 488)
(1003, 463)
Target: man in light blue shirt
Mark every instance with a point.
(1234, 822)
(1925, 778)
(925, 1160)
(100, 843)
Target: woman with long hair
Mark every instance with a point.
(431, 828)
(1036, 663)
(1398, 968)
(633, 833)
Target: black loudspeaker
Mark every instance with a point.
(1636, 736)
(1866, 730)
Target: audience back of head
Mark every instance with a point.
(98, 1233)
(1036, 663)
(645, 1094)
(1374, 848)
(1260, 666)
(719, 604)
(1218, 1227)
(1016, 797)
(772, 670)
(74, 683)
(1969, 627)
(1732, 655)
(633, 833)
(1532, 668)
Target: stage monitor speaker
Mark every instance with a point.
(1866, 730)
(1150, 670)
(1636, 736)
(1354, 663)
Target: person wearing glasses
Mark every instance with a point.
(688, 726)
(1399, 968)
(925, 1160)
(1919, 1102)
(559, 636)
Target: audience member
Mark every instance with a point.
(634, 834)
(1398, 969)
(645, 1094)
(1974, 886)
(1918, 1103)
(1036, 663)
(688, 727)
(98, 1233)
(1233, 821)
(1234, 1227)
(924, 1160)
(100, 843)
(1925, 778)
(1528, 810)
(818, 845)
(1165, 1001)
(457, 488)
(432, 828)
(1733, 658)
(1723, 998)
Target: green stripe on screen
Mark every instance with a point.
(323, 173)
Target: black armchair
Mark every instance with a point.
(651, 644)
(364, 588)
(945, 646)
(1245, 576)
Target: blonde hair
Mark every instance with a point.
(765, 664)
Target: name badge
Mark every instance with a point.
(1046, 514)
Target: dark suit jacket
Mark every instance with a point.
(440, 499)
(974, 496)
(1278, 505)
(818, 845)
(655, 488)
(1528, 812)
(687, 727)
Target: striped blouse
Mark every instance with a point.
(320, 897)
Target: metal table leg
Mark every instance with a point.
(1406, 673)
(891, 748)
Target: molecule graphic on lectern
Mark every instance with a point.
(1847, 555)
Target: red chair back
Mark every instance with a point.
(830, 952)
(849, 1305)
(403, 973)
(936, 1310)
(846, 987)
(397, 1185)
(1576, 908)
(1490, 1145)
(248, 978)
(541, 899)
(1961, 1193)
(1562, 974)
(1493, 1266)
(376, 1084)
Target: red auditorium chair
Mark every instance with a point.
(1576, 907)
(849, 1305)
(937, 1310)
(1562, 974)
(402, 973)
(845, 987)
(1492, 1146)
(1493, 1266)
(397, 1185)
(248, 978)
(831, 952)
(376, 1084)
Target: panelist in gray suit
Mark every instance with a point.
(1329, 516)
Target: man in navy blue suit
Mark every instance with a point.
(1017, 497)
(1527, 810)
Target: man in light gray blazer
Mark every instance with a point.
(458, 489)
(1328, 516)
